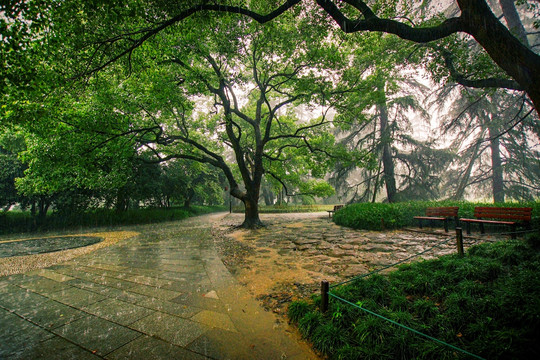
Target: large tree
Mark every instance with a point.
(247, 99)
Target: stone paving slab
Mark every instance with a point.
(97, 335)
(147, 347)
(164, 294)
(55, 348)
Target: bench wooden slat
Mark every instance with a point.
(488, 221)
(429, 218)
(442, 211)
(503, 213)
(439, 213)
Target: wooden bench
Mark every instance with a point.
(510, 216)
(336, 208)
(441, 214)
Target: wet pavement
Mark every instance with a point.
(162, 294)
(293, 253)
(38, 246)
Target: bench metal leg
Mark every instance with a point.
(482, 230)
(420, 223)
(446, 225)
(468, 228)
(513, 231)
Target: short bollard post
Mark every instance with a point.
(459, 241)
(324, 296)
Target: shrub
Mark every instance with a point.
(381, 216)
(12, 222)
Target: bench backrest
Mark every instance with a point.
(449, 211)
(503, 213)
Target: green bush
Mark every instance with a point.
(381, 216)
(485, 303)
(12, 222)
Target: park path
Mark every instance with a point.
(163, 294)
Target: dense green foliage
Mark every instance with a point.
(15, 221)
(370, 216)
(487, 303)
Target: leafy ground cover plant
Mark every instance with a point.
(487, 303)
(380, 216)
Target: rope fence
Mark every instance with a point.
(326, 287)
(407, 328)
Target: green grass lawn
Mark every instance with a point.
(487, 303)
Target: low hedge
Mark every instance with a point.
(377, 216)
(13, 222)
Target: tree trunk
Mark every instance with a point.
(268, 196)
(189, 197)
(460, 191)
(496, 167)
(388, 164)
(251, 220)
(376, 187)
(513, 20)
(43, 207)
(121, 201)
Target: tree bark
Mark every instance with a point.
(121, 200)
(460, 191)
(506, 50)
(513, 20)
(496, 167)
(388, 164)
(268, 196)
(251, 214)
(189, 197)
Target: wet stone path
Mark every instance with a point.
(293, 253)
(38, 246)
(162, 294)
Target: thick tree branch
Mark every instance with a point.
(371, 22)
(479, 83)
(148, 33)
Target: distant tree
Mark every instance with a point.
(185, 181)
(494, 136)
(11, 144)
